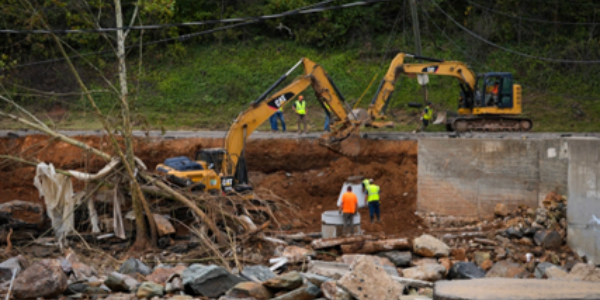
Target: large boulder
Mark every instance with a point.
(133, 266)
(44, 279)
(465, 270)
(368, 281)
(428, 246)
(426, 272)
(287, 281)
(505, 269)
(250, 290)
(208, 281)
(399, 258)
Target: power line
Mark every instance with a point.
(529, 19)
(510, 50)
(184, 37)
(195, 23)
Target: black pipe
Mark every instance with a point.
(428, 58)
(269, 90)
(378, 90)
(335, 88)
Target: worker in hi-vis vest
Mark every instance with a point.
(300, 108)
(373, 200)
(273, 119)
(427, 116)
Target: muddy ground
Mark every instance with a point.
(301, 171)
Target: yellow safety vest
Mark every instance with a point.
(373, 191)
(327, 106)
(366, 183)
(301, 107)
(428, 113)
(281, 109)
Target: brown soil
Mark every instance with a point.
(300, 171)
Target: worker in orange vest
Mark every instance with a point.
(349, 208)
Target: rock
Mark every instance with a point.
(95, 291)
(446, 262)
(133, 266)
(428, 246)
(505, 269)
(22, 213)
(515, 222)
(315, 279)
(336, 270)
(525, 241)
(250, 290)
(459, 254)
(584, 272)
(426, 272)
(540, 269)
(332, 292)
(7, 267)
(512, 232)
(179, 297)
(487, 264)
(552, 240)
(414, 297)
(422, 261)
(76, 288)
(160, 275)
(295, 254)
(554, 272)
(117, 282)
(398, 258)
(465, 270)
(541, 215)
(308, 291)
(368, 281)
(260, 273)
(501, 210)
(208, 281)
(480, 257)
(119, 296)
(163, 226)
(40, 280)
(500, 253)
(529, 231)
(287, 281)
(380, 261)
(150, 289)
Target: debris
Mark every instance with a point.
(332, 292)
(287, 281)
(250, 290)
(459, 254)
(554, 272)
(133, 266)
(465, 270)
(540, 269)
(174, 284)
(584, 272)
(428, 246)
(44, 279)
(336, 270)
(257, 273)
(315, 279)
(10, 266)
(278, 263)
(208, 281)
(295, 254)
(369, 281)
(17, 213)
(487, 264)
(308, 291)
(160, 275)
(380, 261)
(150, 289)
(505, 269)
(548, 239)
(426, 272)
(501, 210)
(480, 257)
(328, 243)
(121, 283)
(376, 246)
(163, 226)
(398, 258)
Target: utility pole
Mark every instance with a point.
(417, 33)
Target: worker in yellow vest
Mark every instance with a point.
(273, 120)
(327, 119)
(427, 116)
(300, 108)
(373, 201)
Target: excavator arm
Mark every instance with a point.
(264, 107)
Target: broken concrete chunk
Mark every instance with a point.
(584, 272)
(336, 270)
(260, 273)
(40, 281)
(332, 292)
(480, 257)
(315, 279)
(150, 289)
(501, 210)
(133, 266)
(555, 273)
(287, 281)
(380, 261)
(308, 291)
(250, 290)
(161, 274)
(428, 246)
(163, 226)
(465, 270)
(327, 243)
(369, 247)
(295, 254)
(505, 269)
(208, 281)
(117, 282)
(426, 272)
(540, 269)
(367, 281)
(400, 259)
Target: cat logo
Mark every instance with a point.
(430, 69)
(280, 101)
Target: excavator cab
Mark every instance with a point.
(494, 90)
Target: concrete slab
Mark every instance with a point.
(515, 289)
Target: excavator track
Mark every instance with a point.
(490, 124)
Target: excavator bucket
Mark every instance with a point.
(345, 140)
(350, 146)
(441, 118)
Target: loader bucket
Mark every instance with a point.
(441, 118)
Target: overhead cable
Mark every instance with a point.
(511, 50)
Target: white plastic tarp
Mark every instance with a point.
(356, 189)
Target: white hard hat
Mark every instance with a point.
(371, 180)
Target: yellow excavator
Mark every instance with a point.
(487, 102)
(224, 169)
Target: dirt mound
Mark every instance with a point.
(301, 171)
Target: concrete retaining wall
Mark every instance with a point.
(468, 177)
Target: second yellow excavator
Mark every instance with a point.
(229, 162)
(487, 102)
